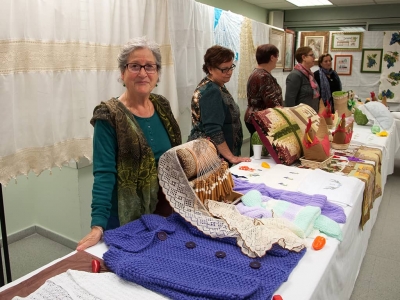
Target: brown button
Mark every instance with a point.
(190, 245)
(162, 236)
(255, 265)
(220, 254)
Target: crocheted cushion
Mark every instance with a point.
(284, 128)
(302, 113)
(380, 113)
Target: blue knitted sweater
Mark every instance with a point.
(170, 256)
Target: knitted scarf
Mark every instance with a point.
(325, 88)
(137, 183)
(310, 76)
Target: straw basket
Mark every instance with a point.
(340, 146)
(315, 164)
(340, 100)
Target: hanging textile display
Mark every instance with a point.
(227, 28)
(56, 67)
(389, 87)
(247, 58)
(191, 30)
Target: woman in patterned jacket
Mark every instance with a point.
(215, 114)
(263, 91)
(131, 132)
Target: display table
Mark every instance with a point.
(326, 274)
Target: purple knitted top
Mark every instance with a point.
(170, 256)
(328, 209)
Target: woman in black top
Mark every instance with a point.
(328, 80)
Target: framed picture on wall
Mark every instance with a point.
(289, 50)
(318, 41)
(343, 64)
(277, 38)
(371, 61)
(346, 41)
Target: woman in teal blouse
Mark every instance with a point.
(131, 132)
(215, 114)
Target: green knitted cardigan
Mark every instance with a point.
(137, 182)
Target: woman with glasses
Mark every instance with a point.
(301, 87)
(328, 80)
(263, 91)
(131, 132)
(215, 114)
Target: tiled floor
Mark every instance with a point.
(380, 271)
(378, 277)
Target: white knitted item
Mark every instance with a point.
(79, 285)
(258, 235)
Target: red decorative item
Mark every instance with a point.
(95, 266)
(319, 243)
(277, 297)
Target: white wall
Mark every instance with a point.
(57, 202)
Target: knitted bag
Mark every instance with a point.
(340, 100)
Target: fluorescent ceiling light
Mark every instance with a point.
(310, 2)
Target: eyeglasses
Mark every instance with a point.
(313, 55)
(135, 68)
(226, 70)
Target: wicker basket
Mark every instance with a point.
(315, 164)
(340, 100)
(340, 146)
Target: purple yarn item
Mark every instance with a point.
(328, 209)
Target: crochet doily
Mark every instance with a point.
(253, 240)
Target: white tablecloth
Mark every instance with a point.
(331, 272)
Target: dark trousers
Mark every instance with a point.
(251, 129)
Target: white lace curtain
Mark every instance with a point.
(57, 61)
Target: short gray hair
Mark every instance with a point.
(135, 44)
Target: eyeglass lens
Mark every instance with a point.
(135, 68)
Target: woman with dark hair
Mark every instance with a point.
(328, 80)
(215, 114)
(301, 87)
(263, 91)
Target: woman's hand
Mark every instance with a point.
(91, 239)
(239, 159)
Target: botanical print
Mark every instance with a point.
(389, 86)
(371, 60)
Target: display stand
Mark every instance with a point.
(4, 242)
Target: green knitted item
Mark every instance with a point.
(360, 117)
(329, 227)
(252, 198)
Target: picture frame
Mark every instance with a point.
(371, 61)
(346, 41)
(343, 64)
(288, 61)
(277, 38)
(317, 40)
